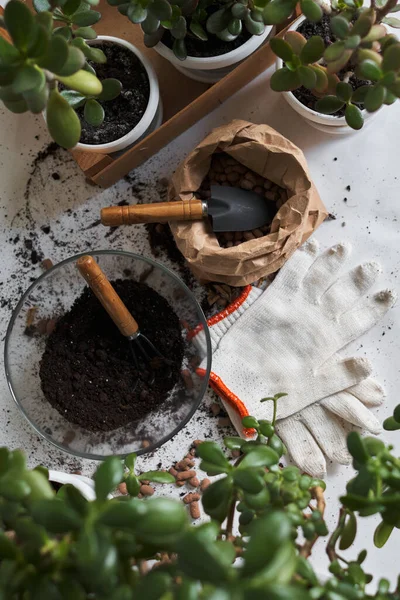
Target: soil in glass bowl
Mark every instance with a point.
(323, 29)
(87, 371)
(126, 110)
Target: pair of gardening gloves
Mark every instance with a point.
(286, 339)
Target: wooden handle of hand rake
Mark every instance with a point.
(159, 212)
(104, 291)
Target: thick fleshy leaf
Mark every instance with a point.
(366, 54)
(9, 54)
(337, 65)
(375, 98)
(370, 70)
(110, 473)
(94, 54)
(254, 27)
(163, 522)
(161, 9)
(392, 21)
(278, 11)
(376, 32)
(85, 18)
(334, 51)
(233, 443)
(39, 42)
(150, 24)
(248, 480)
(281, 48)
(356, 446)
(390, 424)
(64, 31)
(391, 58)
(178, 31)
(344, 91)
(70, 6)
(235, 27)
(93, 113)
(262, 456)
(268, 534)
(75, 61)
(363, 25)
(296, 41)
(212, 453)
(284, 80)
(19, 23)
(201, 559)
(151, 40)
(157, 477)
(217, 498)
(136, 13)
(56, 55)
(340, 26)
(36, 100)
(354, 118)
(352, 42)
(349, 532)
(87, 33)
(54, 514)
(218, 21)
(111, 89)
(198, 30)
(28, 78)
(308, 77)
(179, 49)
(83, 82)
(239, 10)
(328, 105)
(382, 534)
(321, 78)
(311, 10)
(74, 99)
(18, 107)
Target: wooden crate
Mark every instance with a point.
(185, 101)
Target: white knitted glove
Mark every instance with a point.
(284, 341)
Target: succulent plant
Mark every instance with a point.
(193, 18)
(40, 57)
(60, 546)
(362, 48)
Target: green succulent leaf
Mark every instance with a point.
(349, 532)
(198, 30)
(355, 442)
(137, 13)
(70, 6)
(111, 89)
(308, 77)
(28, 78)
(55, 515)
(56, 55)
(362, 26)
(313, 50)
(64, 31)
(329, 105)
(376, 33)
(36, 99)
(12, 488)
(179, 49)
(217, 498)
(352, 42)
(212, 453)
(321, 79)
(235, 26)
(18, 107)
(233, 443)
(277, 11)
(153, 586)
(359, 94)
(199, 558)
(87, 33)
(94, 54)
(337, 65)
(130, 461)
(382, 534)
(391, 58)
(74, 99)
(392, 21)
(311, 10)
(132, 485)
(284, 80)
(268, 534)
(9, 54)
(249, 480)
(86, 18)
(334, 51)
(344, 91)
(151, 24)
(218, 21)
(340, 26)
(262, 456)
(390, 424)
(163, 523)
(250, 422)
(19, 23)
(396, 413)
(282, 49)
(178, 31)
(41, 5)
(375, 98)
(353, 116)
(296, 41)
(157, 477)
(74, 63)
(252, 26)
(110, 473)
(239, 10)
(39, 42)
(161, 9)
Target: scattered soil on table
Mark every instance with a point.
(323, 29)
(87, 372)
(212, 47)
(227, 171)
(124, 112)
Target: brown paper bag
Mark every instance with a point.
(268, 153)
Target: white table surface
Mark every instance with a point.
(367, 161)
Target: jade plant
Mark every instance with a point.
(197, 19)
(40, 59)
(361, 47)
(58, 545)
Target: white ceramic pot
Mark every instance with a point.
(213, 68)
(325, 123)
(153, 114)
(82, 483)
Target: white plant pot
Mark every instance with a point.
(153, 114)
(325, 123)
(82, 483)
(213, 68)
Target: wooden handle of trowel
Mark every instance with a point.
(105, 293)
(159, 212)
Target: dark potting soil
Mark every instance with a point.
(212, 47)
(323, 29)
(87, 371)
(124, 112)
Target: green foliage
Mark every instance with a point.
(41, 56)
(361, 46)
(61, 546)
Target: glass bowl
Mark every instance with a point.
(53, 294)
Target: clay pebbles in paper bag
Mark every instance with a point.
(252, 157)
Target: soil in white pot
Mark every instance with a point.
(124, 112)
(323, 29)
(212, 47)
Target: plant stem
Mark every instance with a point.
(231, 516)
(275, 401)
(382, 12)
(330, 548)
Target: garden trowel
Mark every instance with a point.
(229, 209)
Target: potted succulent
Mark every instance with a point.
(337, 65)
(203, 39)
(62, 546)
(89, 103)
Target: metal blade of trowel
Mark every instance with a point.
(234, 209)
